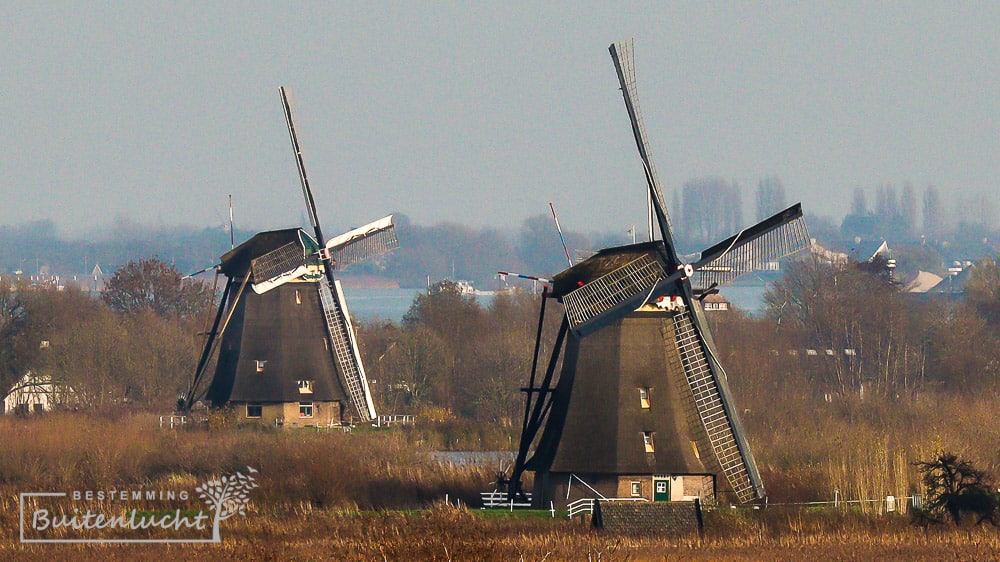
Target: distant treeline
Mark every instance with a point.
(923, 231)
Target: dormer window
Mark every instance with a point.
(260, 365)
(298, 297)
(305, 387)
(647, 440)
(644, 398)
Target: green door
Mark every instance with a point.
(661, 490)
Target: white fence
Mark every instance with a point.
(394, 419)
(888, 504)
(586, 505)
(497, 499)
(172, 422)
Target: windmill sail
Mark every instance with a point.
(622, 55)
(363, 243)
(753, 249)
(621, 288)
(283, 264)
(345, 349)
(709, 400)
(338, 323)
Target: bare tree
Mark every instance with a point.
(982, 290)
(712, 209)
(934, 220)
(908, 208)
(859, 206)
(13, 317)
(770, 197)
(150, 284)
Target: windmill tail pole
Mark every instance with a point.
(523, 276)
(559, 230)
(200, 271)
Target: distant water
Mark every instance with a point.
(749, 298)
(383, 304)
(488, 459)
(392, 304)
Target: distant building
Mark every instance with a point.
(715, 302)
(867, 250)
(36, 393)
(953, 285)
(824, 255)
(924, 282)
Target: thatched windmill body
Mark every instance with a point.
(641, 407)
(287, 352)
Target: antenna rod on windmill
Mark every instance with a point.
(559, 230)
(232, 235)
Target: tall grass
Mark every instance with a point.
(299, 468)
(809, 449)
(354, 496)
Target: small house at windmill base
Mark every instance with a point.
(36, 393)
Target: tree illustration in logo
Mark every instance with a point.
(228, 496)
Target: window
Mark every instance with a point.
(636, 489)
(305, 409)
(260, 365)
(305, 387)
(254, 410)
(298, 297)
(644, 398)
(647, 440)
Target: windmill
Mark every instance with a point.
(642, 407)
(286, 347)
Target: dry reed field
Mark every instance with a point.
(442, 533)
(378, 496)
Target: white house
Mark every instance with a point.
(36, 393)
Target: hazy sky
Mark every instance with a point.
(481, 113)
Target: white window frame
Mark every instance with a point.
(307, 407)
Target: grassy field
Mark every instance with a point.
(448, 533)
(378, 496)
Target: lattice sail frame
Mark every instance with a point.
(345, 348)
(285, 263)
(612, 289)
(753, 255)
(717, 434)
(623, 54)
(363, 243)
